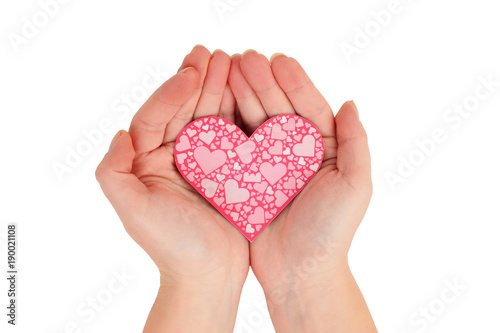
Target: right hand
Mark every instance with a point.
(187, 238)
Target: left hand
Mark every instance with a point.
(303, 251)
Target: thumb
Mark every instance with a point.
(353, 155)
(122, 188)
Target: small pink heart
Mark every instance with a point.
(225, 144)
(290, 125)
(261, 187)
(182, 143)
(257, 217)
(290, 184)
(269, 198)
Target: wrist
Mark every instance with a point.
(328, 301)
(305, 281)
(195, 304)
(223, 289)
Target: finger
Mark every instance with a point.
(257, 71)
(250, 109)
(214, 85)
(148, 125)
(121, 187)
(353, 156)
(227, 105)
(199, 59)
(305, 98)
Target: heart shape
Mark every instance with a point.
(262, 173)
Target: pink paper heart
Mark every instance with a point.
(249, 180)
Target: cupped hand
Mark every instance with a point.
(190, 242)
(305, 247)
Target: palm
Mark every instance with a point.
(328, 210)
(184, 221)
(322, 208)
(181, 232)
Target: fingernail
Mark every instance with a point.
(115, 138)
(248, 51)
(276, 55)
(183, 70)
(355, 107)
(197, 45)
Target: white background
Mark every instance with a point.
(440, 224)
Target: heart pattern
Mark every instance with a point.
(249, 180)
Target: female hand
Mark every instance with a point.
(203, 260)
(301, 257)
